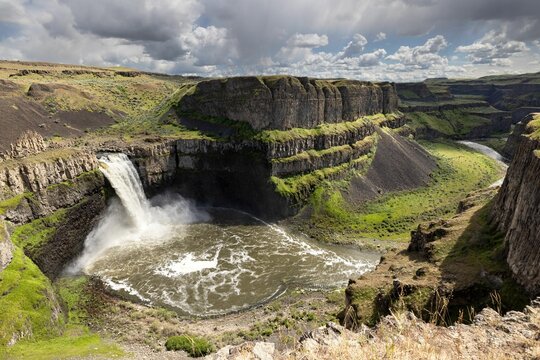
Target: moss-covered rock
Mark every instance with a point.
(30, 309)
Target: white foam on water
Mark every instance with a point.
(228, 267)
(187, 264)
(122, 285)
(131, 219)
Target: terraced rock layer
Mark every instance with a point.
(286, 102)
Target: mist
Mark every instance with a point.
(130, 219)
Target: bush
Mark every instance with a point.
(194, 346)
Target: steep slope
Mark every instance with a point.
(517, 212)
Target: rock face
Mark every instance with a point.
(424, 235)
(249, 350)
(35, 173)
(285, 102)
(6, 247)
(517, 212)
(41, 183)
(68, 239)
(29, 143)
(511, 145)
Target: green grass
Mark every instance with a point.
(193, 345)
(157, 120)
(74, 295)
(33, 235)
(454, 123)
(533, 128)
(368, 141)
(77, 345)
(12, 203)
(324, 129)
(426, 120)
(496, 142)
(393, 216)
(299, 187)
(29, 305)
(30, 308)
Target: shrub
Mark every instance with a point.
(194, 346)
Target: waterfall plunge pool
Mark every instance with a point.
(203, 261)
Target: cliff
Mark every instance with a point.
(505, 92)
(54, 196)
(285, 102)
(415, 92)
(521, 118)
(517, 212)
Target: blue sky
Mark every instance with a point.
(397, 40)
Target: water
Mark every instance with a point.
(204, 262)
(486, 150)
(127, 185)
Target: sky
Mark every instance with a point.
(396, 40)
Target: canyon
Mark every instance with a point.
(287, 150)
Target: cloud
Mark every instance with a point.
(211, 46)
(492, 48)
(137, 20)
(355, 47)
(299, 47)
(307, 41)
(422, 56)
(304, 37)
(371, 59)
(11, 11)
(380, 36)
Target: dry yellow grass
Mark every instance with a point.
(403, 337)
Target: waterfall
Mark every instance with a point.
(123, 176)
(131, 219)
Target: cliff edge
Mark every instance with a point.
(516, 209)
(285, 102)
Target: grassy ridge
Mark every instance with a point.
(447, 122)
(461, 170)
(323, 129)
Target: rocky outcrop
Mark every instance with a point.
(33, 174)
(511, 145)
(313, 160)
(522, 112)
(67, 241)
(415, 92)
(423, 237)
(491, 335)
(517, 213)
(286, 102)
(258, 350)
(6, 247)
(294, 146)
(29, 143)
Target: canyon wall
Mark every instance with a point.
(285, 102)
(54, 196)
(516, 210)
